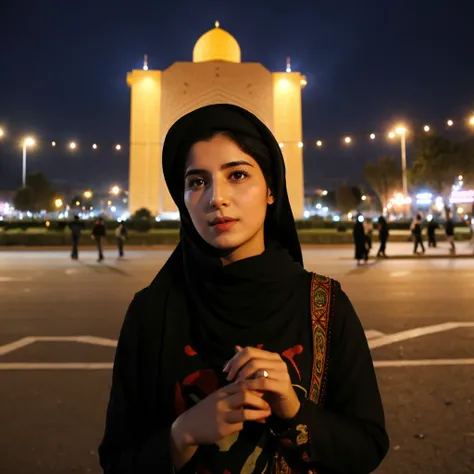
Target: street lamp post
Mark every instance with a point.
(402, 131)
(26, 143)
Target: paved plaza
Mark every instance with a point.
(59, 322)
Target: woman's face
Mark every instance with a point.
(226, 196)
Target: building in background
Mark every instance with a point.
(216, 75)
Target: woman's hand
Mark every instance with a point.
(219, 415)
(265, 372)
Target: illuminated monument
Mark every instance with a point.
(216, 75)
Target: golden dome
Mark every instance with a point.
(216, 45)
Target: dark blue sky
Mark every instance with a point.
(369, 63)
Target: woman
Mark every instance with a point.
(383, 236)
(236, 359)
(360, 240)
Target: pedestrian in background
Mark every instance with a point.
(360, 241)
(98, 233)
(432, 226)
(383, 236)
(449, 229)
(75, 227)
(121, 235)
(416, 231)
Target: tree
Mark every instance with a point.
(385, 177)
(347, 199)
(24, 199)
(43, 193)
(437, 163)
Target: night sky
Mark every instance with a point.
(369, 64)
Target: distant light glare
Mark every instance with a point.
(94, 146)
(400, 130)
(2, 133)
(281, 145)
(118, 147)
(426, 128)
(53, 143)
(72, 145)
(300, 144)
(391, 135)
(450, 123)
(29, 141)
(347, 139)
(319, 143)
(471, 121)
(372, 136)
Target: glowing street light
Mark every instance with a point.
(426, 128)
(450, 123)
(471, 121)
(118, 147)
(58, 203)
(2, 132)
(364, 198)
(402, 131)
(391, 135)
(27, 142)
(372, 136)
(72, 145)
(115, 190)
(53, 143)
(319, 143)
(94, 146)
(347, 140)
(88, 194)
(300, 144)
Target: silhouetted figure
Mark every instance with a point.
(383, 236)
(432, 226)
(75, 227)
(360, 241)
(121, 236)
(98, 233)
(416, 232)
(449, 229)
(368, 230)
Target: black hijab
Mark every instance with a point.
(248, 302)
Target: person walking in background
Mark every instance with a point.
(449, 229)
(432, 226)
(368, 230)
(383, 236)
(360, 242)
(98, 233)
(75, 227)
(121, 236)
(417, 235)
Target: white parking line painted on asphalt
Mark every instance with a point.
(26, 341)
(400, 274)
(13, 346)
(5, 279)
(417, 332)
(26, 366)
(373, 334)
(56, 366)
(422, 362)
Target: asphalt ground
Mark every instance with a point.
(59, 321)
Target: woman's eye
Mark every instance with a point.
(196, 183)
(238, 175)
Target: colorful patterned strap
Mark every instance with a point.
(322, 307)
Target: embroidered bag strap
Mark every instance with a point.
(322, 305)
